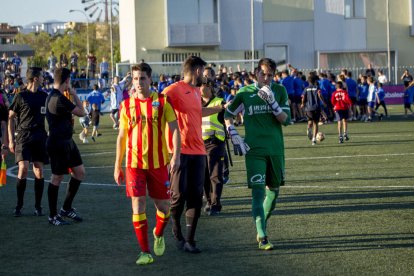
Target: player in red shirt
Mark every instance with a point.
(142, 122)
(341, 102)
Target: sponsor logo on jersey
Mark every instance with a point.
(259, 109)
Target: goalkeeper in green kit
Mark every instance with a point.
(266, 109)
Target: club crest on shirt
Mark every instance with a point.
(155, 105)
(43, 110)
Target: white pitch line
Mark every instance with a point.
(342, 156)
(287, 139)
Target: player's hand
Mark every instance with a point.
(266, 94)
(118, 176)
(11, 146)
(175, 163)
(240, 147)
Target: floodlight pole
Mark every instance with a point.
(111, 38)
(252, 31)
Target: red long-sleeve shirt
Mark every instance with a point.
(340, 100)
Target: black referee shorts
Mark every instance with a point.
(33, 151)
(63, 155)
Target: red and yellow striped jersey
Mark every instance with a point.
(145, 122)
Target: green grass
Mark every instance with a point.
(345, 210)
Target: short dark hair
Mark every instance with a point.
(61, 75)
(192, 63)
(211, 71)
(340, 85)
(33, 72)
(267, 62)
(143, 67)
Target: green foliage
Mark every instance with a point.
(73, 41)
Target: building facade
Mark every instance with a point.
(308, 34)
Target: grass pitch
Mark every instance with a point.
(345, 210)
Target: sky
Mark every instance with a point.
(24, 12)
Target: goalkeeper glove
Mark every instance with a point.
(240, 147)
(266, 94)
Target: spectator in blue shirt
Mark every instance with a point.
(96, 97)
(287, 82)
(362, 98)
(162, 84)
(408, 97)
(104, 70)
(380, 99)
(352, 92)
(17, 63)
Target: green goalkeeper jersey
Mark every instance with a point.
(263, 132)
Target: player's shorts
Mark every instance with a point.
(341, 114)
(33, 151)
(265, 170)
(407, 105)
(371, 104)
(114, 111)
(64, 154)
(155, 180)
(291, 98)
(362, 102)
(313, 116)
(84, 123)
(297, 99)
(353, 100)
(4, 113)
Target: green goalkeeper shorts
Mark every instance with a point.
(265, 170)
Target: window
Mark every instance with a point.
(354, 8)
(248, 54)
(176, 57)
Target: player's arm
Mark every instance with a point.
(207, 111)
(176, 139)
(120, 152)
(321, 98)
(78, 110)
(10, 128)
(239, 146)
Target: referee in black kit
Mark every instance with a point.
(64, 154)
(27, 141)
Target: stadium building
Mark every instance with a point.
(306, 33)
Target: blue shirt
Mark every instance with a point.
(352, 87)
(363, 90)
(95, 97)
(298, 86)
(381, 93)
(325, 86)
(288, 84)
(162, 85)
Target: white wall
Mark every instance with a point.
(127, 31)
(235, 25)
(335, 33)
(298, 36)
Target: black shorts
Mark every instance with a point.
(342, 114)
(63, 155)
(362, 102)
(313, 116)
(187, 183)
(297, 99)
(114, 111)
(291, 98)
(33, 151)
(4, 113)
(407, 105)
(353, 100)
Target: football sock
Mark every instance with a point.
(52, 193)
(21, 188)
(141, 231)
(162, 221)
(71, 191)
(258, 194)
(39, 184)
(191, 218)
(269, 203)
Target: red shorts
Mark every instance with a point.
(155, 180)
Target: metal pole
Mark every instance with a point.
(112, 42)
(388, 42)
(252, 30)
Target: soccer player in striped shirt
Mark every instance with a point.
(143, 120)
